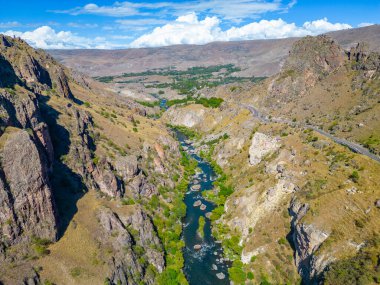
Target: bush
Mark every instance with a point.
(169, 277)
(75, 272)
(237, 275)
(40, 246)
(354, 176)
(250, 276)
(128, 201)
(364, 268)
(201, 225)
(282, 241)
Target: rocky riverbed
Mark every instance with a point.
(204, 262)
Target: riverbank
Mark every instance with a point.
(203, 256)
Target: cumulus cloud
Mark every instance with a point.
(184, 30)
(47, 38)
(189, 29)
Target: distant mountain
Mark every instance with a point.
(257, 57)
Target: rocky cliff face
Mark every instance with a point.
(31, 68)
(307, 238)
(27, 203)
(132, 238)
(52, 151)
(309, 60)
(261, 146)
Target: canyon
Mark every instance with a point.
(101, 188)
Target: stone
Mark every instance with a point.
(195, 187)
(208, 215)
(377, 203)
(197, 203)
(280, 168)
(220, 275)
(127, 166)
(352, 190)
(203, 207)
(197, 247)
(214, 267)
(261, 146)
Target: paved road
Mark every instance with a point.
(352, 146)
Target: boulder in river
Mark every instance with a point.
(214, 267)
(197, 203)
(195, 187)
(220, 275)
(208, 215)
(203, 207)
(197, 247)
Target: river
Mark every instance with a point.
(201, 265)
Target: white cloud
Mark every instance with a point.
(361, 25)
(228, 10)
(323, 26)
(47, 38)
(184, 30)
(82, 25)
(145, 22)
(116, 10)
(189, 29)
(12, 24)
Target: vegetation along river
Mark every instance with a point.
(204, 265)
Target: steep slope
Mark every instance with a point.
(303, 206)
(85, 178)
(335, 90)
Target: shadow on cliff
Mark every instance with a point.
(8, 77)
(67, 185)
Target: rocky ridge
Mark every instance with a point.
(52, 153)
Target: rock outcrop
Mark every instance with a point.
(99, 176)
(189, 119)
(261, 146)
(309, 60)
(129, 248)
(307, 238)
(29, 67)
(27, 204)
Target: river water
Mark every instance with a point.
(201, 265)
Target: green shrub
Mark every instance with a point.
(128, 201)
(75, 272)
(363, 268)
(237, 275)
(282, 241)
(201, 225)
(250, 276)
(40, 246)
(354, 176)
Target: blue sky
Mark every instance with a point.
(123, 24)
